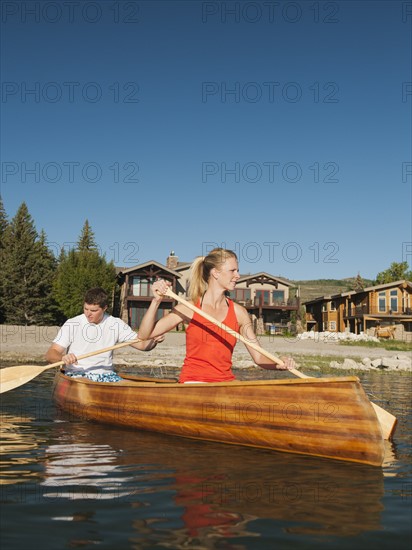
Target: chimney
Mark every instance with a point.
(172, 260)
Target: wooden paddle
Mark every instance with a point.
(386, 419)
(13, 377)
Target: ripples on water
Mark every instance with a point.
(68, 483)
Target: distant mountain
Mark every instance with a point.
(312, 289)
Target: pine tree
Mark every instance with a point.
(78, 271)
(3, 227)
(86, 242)
(3, 221)
(45, 309)
(28, 270)
(358, 284)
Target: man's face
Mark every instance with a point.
(94, 313)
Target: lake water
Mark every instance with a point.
(69, 483)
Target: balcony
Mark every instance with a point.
(364, 309)
(291, 304)
(244, 303)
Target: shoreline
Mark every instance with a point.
(22, 344)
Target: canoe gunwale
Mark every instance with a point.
(197, 385)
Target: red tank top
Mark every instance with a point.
(209, 349)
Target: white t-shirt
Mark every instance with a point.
(78, 336)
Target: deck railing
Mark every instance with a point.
(292, 302)
(353, 311)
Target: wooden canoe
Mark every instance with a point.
(324, 417)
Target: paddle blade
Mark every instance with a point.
(386, 420)
(13, 377)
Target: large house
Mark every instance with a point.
(270, 300)
(367, 310)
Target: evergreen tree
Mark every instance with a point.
(3, 221)
(28, 269)
(86, 242)
(45, 310)
(3, 227)
(80, 269)
(396, 272)
(358, 284)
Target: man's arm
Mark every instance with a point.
(57, 353)
(147, 345)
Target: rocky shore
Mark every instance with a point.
(396, 362)
(25, 345)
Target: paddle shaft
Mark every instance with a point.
(96, 352)
(238, 336)
(387, 420)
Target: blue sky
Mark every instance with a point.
(279, 129)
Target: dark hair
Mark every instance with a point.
(96, 296)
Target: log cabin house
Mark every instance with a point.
(384, 305)
(270, 300)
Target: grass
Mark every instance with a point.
(390, 345)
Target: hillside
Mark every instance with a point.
(322, 287)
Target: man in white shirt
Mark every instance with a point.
(92, 330)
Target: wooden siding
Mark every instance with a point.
(358, 311)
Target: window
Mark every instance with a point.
(137, 312)
(394, 300)
(140, 286)
(382, 302)
(278, 296)
(263, 297)
(332, 325)
(333, 306)
(240, 294)
(325, 306)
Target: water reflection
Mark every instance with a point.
(76, 483)
(206, 490)
(18, 442)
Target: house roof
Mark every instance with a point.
(263, 277)
(402, 282)
(124, 271)
(379, 287)
(183, 265)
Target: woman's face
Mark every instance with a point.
(228, 275)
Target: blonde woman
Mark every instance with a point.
(209, 348)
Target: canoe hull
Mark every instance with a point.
(324, 417)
